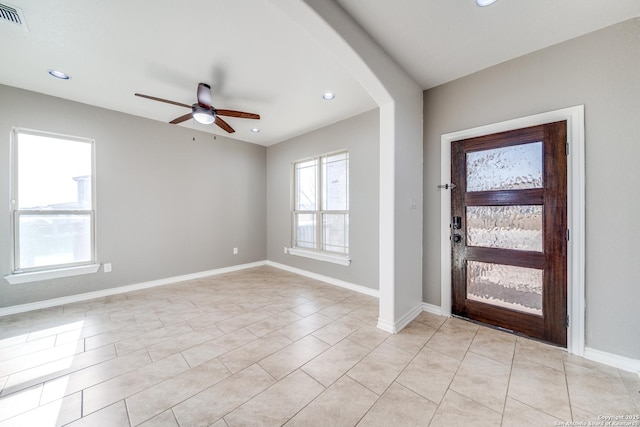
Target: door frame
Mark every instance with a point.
(575, 212)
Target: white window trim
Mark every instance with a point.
(320, 256)
(57, 271)
(317, 254)
(35, 276)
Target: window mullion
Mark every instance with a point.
(319, 205)
(16, 241)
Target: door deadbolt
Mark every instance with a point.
(456, 222)
(457, 238)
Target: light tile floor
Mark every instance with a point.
(267, 347)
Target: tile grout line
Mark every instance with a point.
(506, 396)
(312, 400)
(127, 410)
(566, 382)
(344, 374)
(397, 376)
(257, 362)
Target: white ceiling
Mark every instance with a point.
(436, 41)
(258, 60)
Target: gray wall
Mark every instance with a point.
(166, 205)
(599, 70)
(361, 136)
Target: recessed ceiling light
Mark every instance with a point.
(59, 75)
(483, 3)
(328, 96)
(255, 130)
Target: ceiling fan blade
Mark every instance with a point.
(181, 119)
(204, 95)
(179, 104)
(224, 125)
(234, 113)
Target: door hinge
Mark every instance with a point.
(568, 235)
(446, 186)
(566, 149)
(567, 321)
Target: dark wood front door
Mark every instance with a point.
(509, 230)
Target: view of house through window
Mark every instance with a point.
(52, 204)
(321, 203)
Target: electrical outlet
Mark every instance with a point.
(285, 250)
(107, 267)
(235, 251)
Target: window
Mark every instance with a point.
(53, 217)
(321, 204)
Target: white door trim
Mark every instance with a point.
(575, 212)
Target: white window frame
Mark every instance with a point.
(26, 275)
(317, 253)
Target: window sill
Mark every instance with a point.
(320, 256)
(35, 276)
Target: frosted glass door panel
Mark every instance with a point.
(506, 227)
(515, 167)
(515, 288)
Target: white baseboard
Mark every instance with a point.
(408, 317)
(386, 326)
(620, 362)
(327, 279)
(433, 309)
(609, 359)
(39, 305)
(394, 328)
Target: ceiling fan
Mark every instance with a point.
(203, 112)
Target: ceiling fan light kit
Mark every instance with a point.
(202, 115)
(203, 112)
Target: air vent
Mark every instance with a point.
(12, 15)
